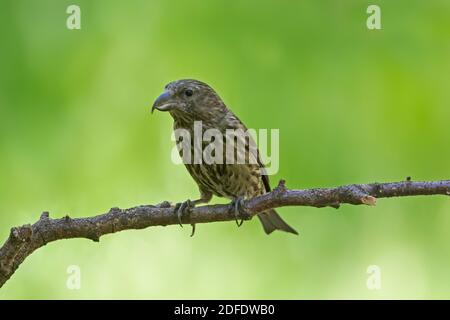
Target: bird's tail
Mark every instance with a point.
(271, 221)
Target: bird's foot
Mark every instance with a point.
(239, 211)
(183, 209)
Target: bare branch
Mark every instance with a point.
(24, 240)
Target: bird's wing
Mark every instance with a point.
(264, 176)
(235, 123)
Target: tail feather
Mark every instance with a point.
(271, 221)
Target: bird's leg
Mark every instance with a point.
(239, 211)
(183, 208)
(186, 207)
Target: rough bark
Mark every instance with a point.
(24, 240)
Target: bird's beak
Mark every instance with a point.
(163, 102)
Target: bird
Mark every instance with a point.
(189, 101)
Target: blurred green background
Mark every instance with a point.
(352, 105)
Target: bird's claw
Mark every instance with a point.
(239, 211)
(184, 208)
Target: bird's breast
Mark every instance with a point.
(230, 180)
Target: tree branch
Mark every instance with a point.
(24, 240)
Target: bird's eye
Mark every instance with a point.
(188, 92)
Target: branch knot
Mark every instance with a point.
(21, 234)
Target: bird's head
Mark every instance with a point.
(190, 100)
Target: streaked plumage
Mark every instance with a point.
(192, 100)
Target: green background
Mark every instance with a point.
(353, 106)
